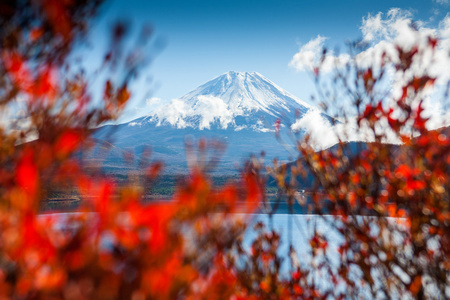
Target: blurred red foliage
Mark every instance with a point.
(118, 247)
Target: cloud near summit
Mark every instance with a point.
(208, 109)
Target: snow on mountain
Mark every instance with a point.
(238, 109)
(236, 100)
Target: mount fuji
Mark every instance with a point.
(241, 109)
(238, 100)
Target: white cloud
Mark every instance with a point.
(207, 110)
(308, 55)
(311, 54)
(322, 134)
(397, 22)
(444, 31)
(372, 27)
(211, 109)
(383, 33)
(173, 112)
(154, 101)
(396, 29)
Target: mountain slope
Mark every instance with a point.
(235, 100)
(238, 108)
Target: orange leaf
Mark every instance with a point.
(416, 285)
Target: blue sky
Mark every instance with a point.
(204, 39)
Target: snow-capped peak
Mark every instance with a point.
(234, 99)
(247, 91)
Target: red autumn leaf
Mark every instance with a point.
(414, 185)
(18, 71)
(27, 175)
(105, 193)
(58, 16)
(159, 281)
(404, 171)
(419, 83)
(367, 112)
(123, 95)
(298, 290)
(154, 170)
(156, 218)
(296, 275)
(36, 33)
(68, 142)
(277, 125)
(228, 195)
(253, 192)
(44, 86)
(34, 239)
(433, 42)
(368, 80)
(419, 122)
